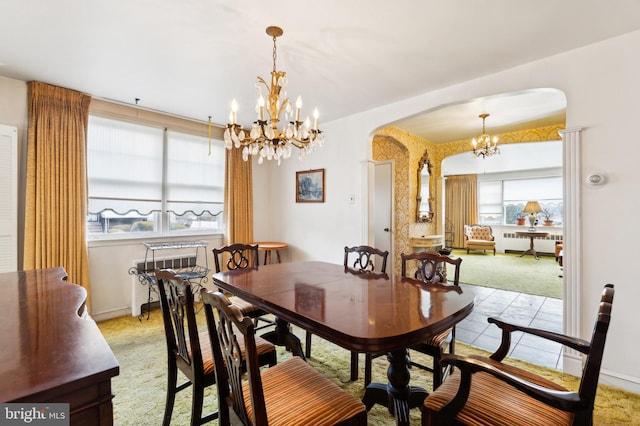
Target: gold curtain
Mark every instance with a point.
(238, 198)
(56, 204)
(461, 205)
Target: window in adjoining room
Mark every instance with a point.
(148, 181)
(501, 200)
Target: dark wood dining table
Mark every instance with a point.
(359, 312)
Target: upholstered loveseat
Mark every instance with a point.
(479, 237)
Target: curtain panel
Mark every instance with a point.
(461, 205)
(56, 187)
(238, 198)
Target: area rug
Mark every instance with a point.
(140, 388)
(525, 274)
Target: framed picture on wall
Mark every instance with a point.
(310, 186)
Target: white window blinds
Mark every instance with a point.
(193, 185)
(124, 167)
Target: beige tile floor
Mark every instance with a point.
(520, 308)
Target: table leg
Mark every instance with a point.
(531, 250)
(282, 336)
(397, 395)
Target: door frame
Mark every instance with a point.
(371, 209)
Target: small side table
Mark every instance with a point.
(268, 247)
(532, 235)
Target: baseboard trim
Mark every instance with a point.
(620, 381)
(115, 313)
(573, 365)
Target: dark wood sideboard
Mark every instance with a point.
(51, 350)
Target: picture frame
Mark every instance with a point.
(310, 186)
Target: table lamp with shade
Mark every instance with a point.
(532, 208)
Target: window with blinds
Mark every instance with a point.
(148, 181)
(501, 201)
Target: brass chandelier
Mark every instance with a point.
(485, 145)
(266, 139)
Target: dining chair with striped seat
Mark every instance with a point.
(429, 268)
(358, 260)
(485, 390)
(242, 256)
(188, 349)
(291, 393)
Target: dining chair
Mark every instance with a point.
(241, 256)
(365, 259)
(429, 268)
(485, 390)
(188, 350)
(358, 259)
(290, 393)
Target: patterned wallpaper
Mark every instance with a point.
(405, 149)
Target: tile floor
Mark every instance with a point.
(525, 309)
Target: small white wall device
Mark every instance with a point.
(596, 179)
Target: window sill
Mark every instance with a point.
(139, 239)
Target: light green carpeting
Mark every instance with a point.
(141, 386)
(511, 272)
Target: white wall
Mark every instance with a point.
(600, 82)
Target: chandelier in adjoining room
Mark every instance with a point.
(485, 145)
(267, 138)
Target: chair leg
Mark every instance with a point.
(172, 374)
(437, 372)
(307, 345)
(367, 369)
(354, 366)
(196, 405)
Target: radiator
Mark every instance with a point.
(513, 243)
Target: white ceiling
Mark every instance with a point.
(192, 57)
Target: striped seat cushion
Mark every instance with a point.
(438, 339)
(245, 307)
(262, 347)
(296, 394)
(493, 402)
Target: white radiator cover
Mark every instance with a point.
(543, 245)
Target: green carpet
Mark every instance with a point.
(511, 272)
(140, 388)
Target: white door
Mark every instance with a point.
(383, 209)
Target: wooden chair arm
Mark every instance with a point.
(563, 400)
(508, 328)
